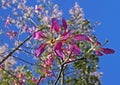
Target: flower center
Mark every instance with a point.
(52, 41)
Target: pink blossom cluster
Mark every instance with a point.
(63, 41)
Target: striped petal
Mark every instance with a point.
(40, 50)
(60, 53)
(39, 34)
(80, 37)
(57, 46)
(76, 50)
(64, 24)
(55, 25)
(108, 51)
(99, 53)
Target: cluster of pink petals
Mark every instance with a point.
(21, 78)
(47, 64)
(66, 37)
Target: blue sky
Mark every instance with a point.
(108, 13)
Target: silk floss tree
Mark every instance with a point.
(48, 48)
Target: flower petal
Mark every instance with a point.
(66, 35)
(57, 46)
(108, 51)
(90, 39)
(60, 53)
(98, 53)
(98, 43)
(64, 23)
(39, 34)
(80, 37)
(40, 50)
(55, 25)
(76, 50)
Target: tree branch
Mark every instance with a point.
(62, 68)
(62, 76)
(59, 75)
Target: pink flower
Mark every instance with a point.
(61, 42)
(12, 34)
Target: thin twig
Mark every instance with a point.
(15, 49)
(33, 22)
(74, 60)
(69, 55)
(39, 80)
(25, 61)
(59, 75)
(11, 75)
(26, 51)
